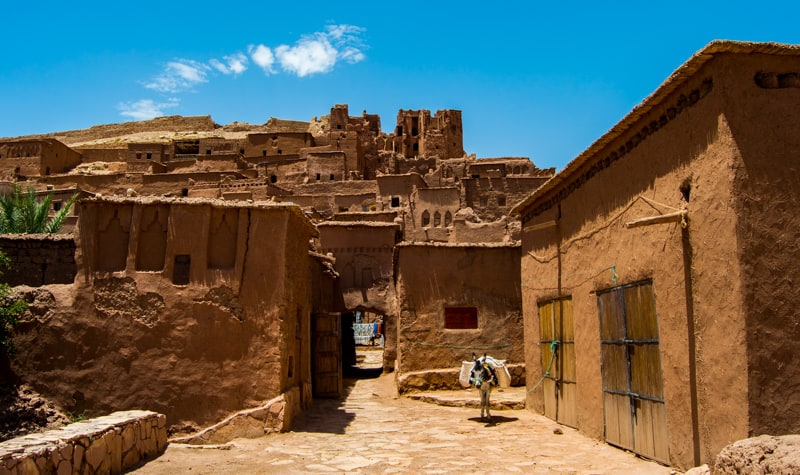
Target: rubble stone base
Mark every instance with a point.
(108, 444)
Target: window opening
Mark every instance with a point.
(426, 218)
(395, 201)
(180, 271)
(461, 318)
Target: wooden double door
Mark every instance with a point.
(633, 389)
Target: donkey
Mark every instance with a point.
(483, 378)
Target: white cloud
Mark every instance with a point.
(319, 52)
(308, 56)
(178, 76)
(234, 64)
(146, 108)
(263, 57)
(315, 53)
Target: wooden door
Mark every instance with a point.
(633, 390)
(327, 355)
(557, 343)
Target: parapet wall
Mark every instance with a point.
(108, 444)
(39, 259)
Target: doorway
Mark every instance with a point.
(557, 344)
(634, 409)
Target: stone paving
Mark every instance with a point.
(374, 431)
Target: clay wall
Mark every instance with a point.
(354, 202)
(140, 156)
(89, 155)
(679, 153)
(171, 292)
(276, 144)
(370, 216)
(37, 260)
(220, 161)
(432, 278)
(492, 198)
(394, 191)
(184, 177)
(338, 187)
(422, 165)
(220, 146)
(286, 171)
(57, 158)
(432, 214)
(19, 168)
(329, 166)
(466, 232)
(763, 117)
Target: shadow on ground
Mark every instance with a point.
(495, 420)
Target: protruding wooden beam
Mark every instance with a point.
(675, 217)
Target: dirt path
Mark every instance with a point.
(373, 431)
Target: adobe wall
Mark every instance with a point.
(220, 146)
(276, 144)
(432, 211)
(766, 128)
(94, 182)
(57, 158)
(354, 202)
(326, 167)
(291, 171)
(431, 277)
(679, 155)
(465, 231)
(399, 187)
(89, 155)
(152, 311)
(13, 167)
(140, 155)
(368, 216)
(38, 259)
(492, 198)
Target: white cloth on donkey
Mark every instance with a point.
(499, 367)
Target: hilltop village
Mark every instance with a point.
(644, 294)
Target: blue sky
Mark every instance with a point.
(531, 79)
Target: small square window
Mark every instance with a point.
(395, 201)
(461, 318)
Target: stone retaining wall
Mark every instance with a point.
(108, 444)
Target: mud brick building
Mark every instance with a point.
(661, 261)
